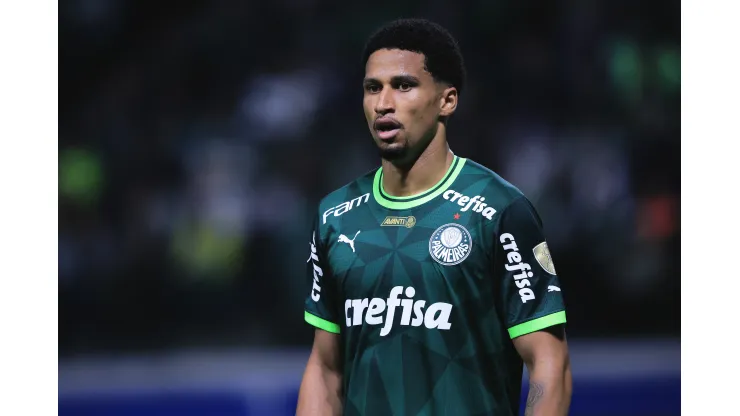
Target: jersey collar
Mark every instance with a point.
(406, 202)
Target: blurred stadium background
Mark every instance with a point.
(195, 140)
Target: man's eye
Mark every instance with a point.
(372, 89)
(404, 86)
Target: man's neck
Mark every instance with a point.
(428, 169)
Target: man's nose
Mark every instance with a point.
(385, 103)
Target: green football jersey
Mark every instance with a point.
(428, 291)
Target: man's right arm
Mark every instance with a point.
(321, 387)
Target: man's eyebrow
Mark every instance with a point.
(396, 79)
(405, 78)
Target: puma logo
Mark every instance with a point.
(344, 239)
(553, 289)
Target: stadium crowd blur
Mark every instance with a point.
(195, 142)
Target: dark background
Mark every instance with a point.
(196, 138)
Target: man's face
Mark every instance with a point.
(402, 103)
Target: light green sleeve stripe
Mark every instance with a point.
(321, 323)
(537, 324)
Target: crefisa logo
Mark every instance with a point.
(450, 244)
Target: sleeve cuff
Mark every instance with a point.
(537, 324)
(321, 323)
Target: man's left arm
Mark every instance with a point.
(545, 353)
(533, 305)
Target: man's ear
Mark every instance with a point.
(448, 102)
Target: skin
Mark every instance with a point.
(545, 353)
(398, 86)
(321, 387)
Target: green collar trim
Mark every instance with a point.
(406, 202)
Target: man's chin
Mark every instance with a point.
(393, 153)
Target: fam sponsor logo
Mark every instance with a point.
(391, 221)
(466, 202)
(514, 263)
(346, 206)
(450, 244)
(379, 311)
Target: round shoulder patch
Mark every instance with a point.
(450, 244)
(542, 254)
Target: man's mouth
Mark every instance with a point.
(387, 127)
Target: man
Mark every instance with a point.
(430, 279)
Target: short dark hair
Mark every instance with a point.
(443, 59)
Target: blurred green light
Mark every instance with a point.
(626, 70)
(669, 68)
(80, 175)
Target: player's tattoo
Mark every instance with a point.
(535, 394)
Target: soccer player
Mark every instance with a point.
(430, 281)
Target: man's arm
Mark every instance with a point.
(321, 388)
(545, 354)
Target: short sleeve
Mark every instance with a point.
(319, 307)
(529, 286)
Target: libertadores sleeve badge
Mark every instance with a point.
(542, 254)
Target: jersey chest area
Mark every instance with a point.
(438, 255)
(409, 271)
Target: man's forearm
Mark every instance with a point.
(320, 393)
(549, 392)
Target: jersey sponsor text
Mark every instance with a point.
(346, 206)
(317, 272)
(514, 263)
(377, 311)
(392, 221)
(467, 202)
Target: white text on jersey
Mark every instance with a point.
(317, 272)
(514, 262)
(346, 206)
(466, 202)
(437, 315)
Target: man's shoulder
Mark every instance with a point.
(489, 184)
(347, 196)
